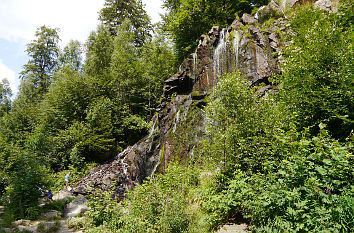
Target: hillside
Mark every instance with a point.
(254, 127)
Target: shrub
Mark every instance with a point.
(159, 205)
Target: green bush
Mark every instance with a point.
(310, 188)
(26, 175)
(161, 204)
(317, 80)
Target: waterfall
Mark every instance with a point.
(220, 53)
(153, 128)
(176, 121)
(256, 16)
(236, 45)
(195, 68)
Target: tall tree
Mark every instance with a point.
(115, 12)
(43, 53)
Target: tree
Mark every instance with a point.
(5, 94)
(317, 81)
(43, 53)
(116, 11)
(187, 20)
(99, 48)
(71, 55)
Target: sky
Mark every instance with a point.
(19, 20)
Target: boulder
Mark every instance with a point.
(288, 4)
(272, 10)
(31, 228)
(76, 207)
(326, 5)
(48, 226)
(21, 222)
(51, 214)
(248, 19)
(63, 195)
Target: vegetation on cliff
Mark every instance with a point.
(280, 162)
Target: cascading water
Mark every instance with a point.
(236, 46)
(195, 65)
(220, 53)
(176, 121)
(153, 128)
(223, 53)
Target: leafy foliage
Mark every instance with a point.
(44, 51)
(25, 178)
(240, 124)
(5, 94)
(317, 82)
(186, 20)
(158, 205)
(115, 12)
(303, 191)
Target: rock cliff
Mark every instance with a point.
(248, 46)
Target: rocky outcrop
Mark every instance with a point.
(178, 124)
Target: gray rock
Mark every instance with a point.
(236, 24)
(27, 228)
(288, 4)
(272, 10)
(258, 36)
(76, 207)
(48, 225)
(21, 222)
(51, 214)
(326, 5)
(248, 19)
(63, 195)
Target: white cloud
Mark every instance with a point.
(10, 75)
(19, 19)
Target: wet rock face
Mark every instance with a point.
(178, 124)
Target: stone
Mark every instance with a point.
(236, 25)
(7, 230)
(258, 36)
(51, 214)
(214, 35)
(288, 4)
(248, 19)
(180, 83)
(21, 222)
(76, 207)
(48, 225)
(27, 228)
(272, 10)
(63, 195)
(326, 5)
(233, 228)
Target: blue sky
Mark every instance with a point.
(19, 20)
